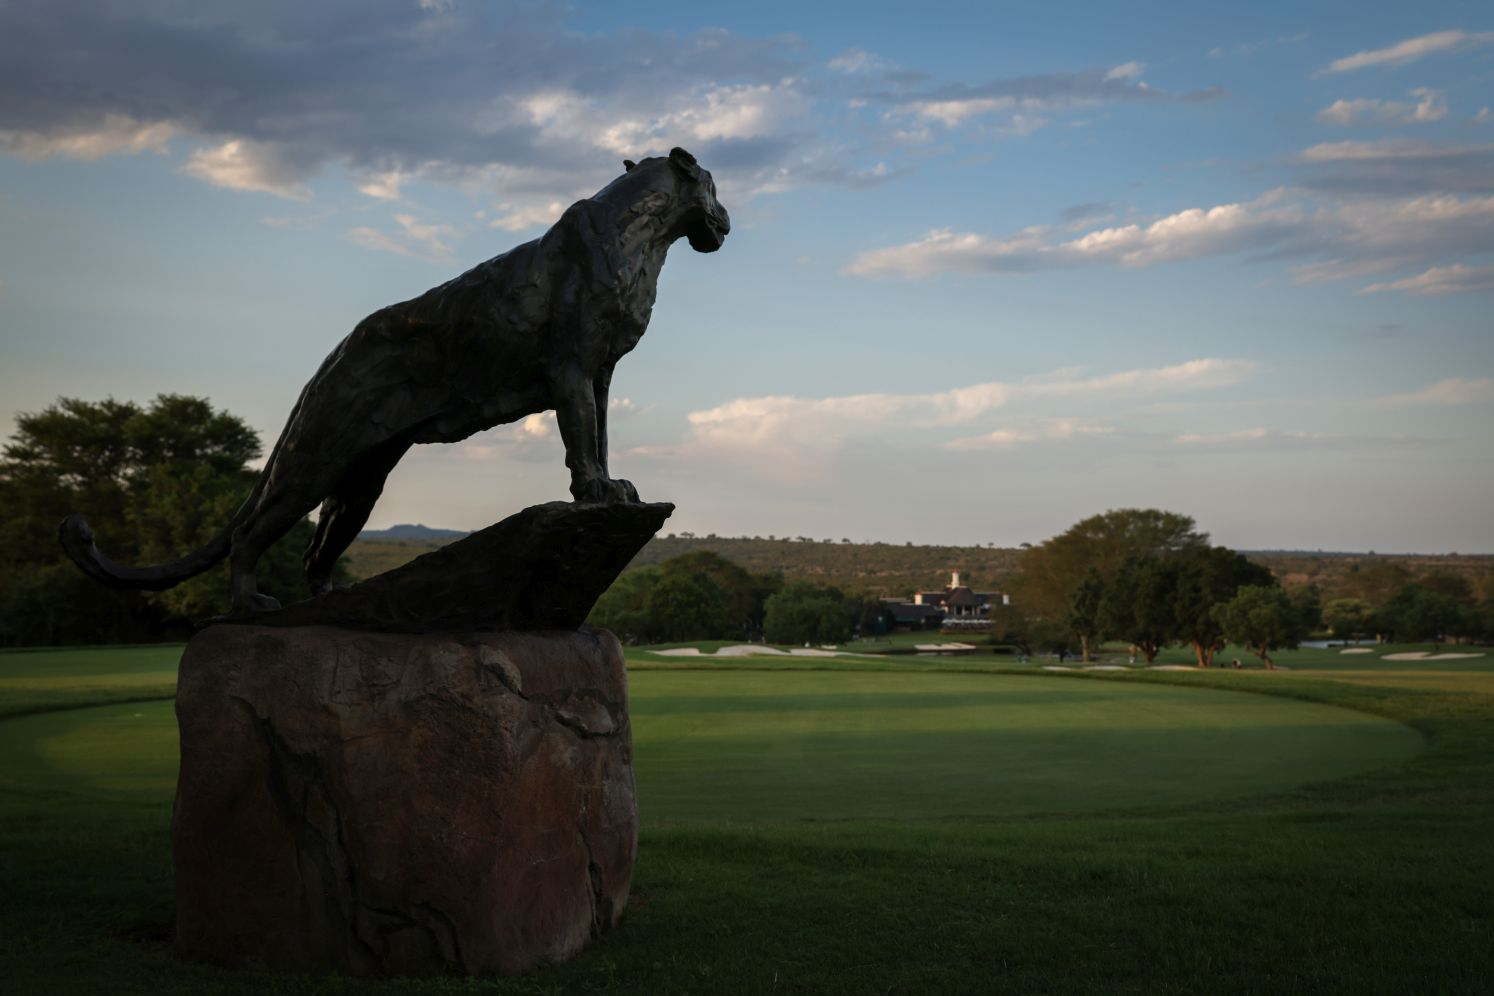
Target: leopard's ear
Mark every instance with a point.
(684, 162)
(628, 165)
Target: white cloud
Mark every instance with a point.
(1429, 106)
(1287, 439)
(242, 165)
(1455, 279)
(1126, 71)
(954, 112)
(114, 134)
(776, 424)
(1451, 391)
(1411, 50)
(384, 186)
(541, 425)
(856, 60)
(422, 240)
(1049, 430)
(516, 218)
(705, 114)
(1191, 233)
(1018, 103)
(1358, 236)
(1484, 116)
(1387, 149)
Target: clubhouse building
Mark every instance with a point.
(957, 607)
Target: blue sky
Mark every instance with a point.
(994, 267)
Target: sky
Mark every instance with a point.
(993, 268)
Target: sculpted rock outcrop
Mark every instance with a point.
(395, 804)
(542, 568)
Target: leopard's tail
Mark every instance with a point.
(77, 540)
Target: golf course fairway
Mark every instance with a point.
(836, 745)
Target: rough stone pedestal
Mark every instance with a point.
(401, 804)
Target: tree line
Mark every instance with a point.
(161, 479)
(1151, 579)
(704, 596)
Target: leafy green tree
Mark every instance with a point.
(1348, 618)
(1052, 571)
(1084, 611)
(1264, 618)
(156, 482)
(1416, 612)
(683, 607)
(744, 593)
(1137, 605)
(623, 607)
(1207, 576)
(807, 613)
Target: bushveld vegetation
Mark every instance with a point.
(156, 482)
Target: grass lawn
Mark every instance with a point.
(907, 825)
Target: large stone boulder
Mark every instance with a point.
(400, 804)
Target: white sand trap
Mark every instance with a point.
(936, 647)
(1058, 667)
(1107, 667)
(1357, 650)
(752, 650)
(1422, 655)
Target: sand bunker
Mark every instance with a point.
(941, 647)
(1422, 655)
(1357, 650)
(751, 650)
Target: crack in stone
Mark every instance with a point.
(601, 906)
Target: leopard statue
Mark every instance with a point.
(539, 327)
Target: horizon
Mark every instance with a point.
(991, 273)
(774, 538)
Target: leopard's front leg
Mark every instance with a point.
(581, 429)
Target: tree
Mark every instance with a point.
(807, 613)
(1347, 618)
(1084, 611)
(623, 607)
(1207, 576)
(1138, 604)
(743, 592)
(1052, 571)
(1264, 618)
(156, 481)
(681, 607)
(1416, 612)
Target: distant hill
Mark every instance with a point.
(892, 569)
(406, 533)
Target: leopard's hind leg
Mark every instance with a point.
(345, 511)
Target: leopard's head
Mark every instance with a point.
(700, 216)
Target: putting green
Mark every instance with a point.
(848, 745)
